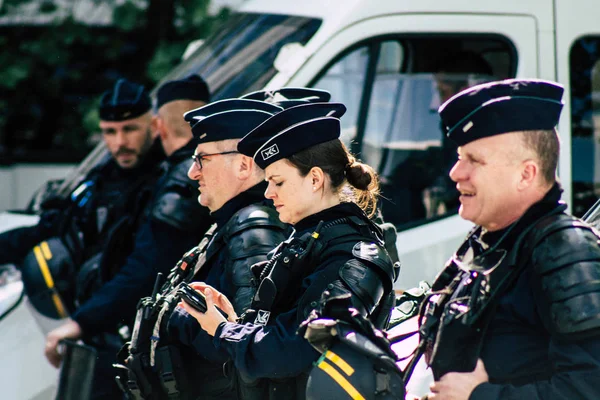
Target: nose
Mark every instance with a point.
(121, 138)
(270, 193)
(458, 172)
(194, 172)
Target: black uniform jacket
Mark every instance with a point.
(523, 357)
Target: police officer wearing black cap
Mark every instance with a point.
(246, 228)
(515, 314)
(318, 187)
(173, 222)
(98, 231)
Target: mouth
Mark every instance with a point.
(278, 206)
(465, 194)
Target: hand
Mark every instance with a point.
(69, 330)
(458, 385)
(211, 319)
(219, 299)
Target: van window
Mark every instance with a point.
(346, 78)
(393, 87)
(239, 59)
(584, 64)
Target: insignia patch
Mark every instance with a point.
(269, 152)
(262, 317)
(467, 126)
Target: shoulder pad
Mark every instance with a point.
(365, 282)
(567, 272)
(378, 256)
(253, 216)
(176, 203)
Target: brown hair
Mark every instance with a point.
(546, 145)
(342, 168)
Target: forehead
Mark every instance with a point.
(492, 145)
(207, 148)
(280, 167)
(134, 122)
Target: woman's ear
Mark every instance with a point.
(317, 177)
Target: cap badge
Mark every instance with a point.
(269, 152)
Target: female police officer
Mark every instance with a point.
(317, 186)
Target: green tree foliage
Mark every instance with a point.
(57, 59)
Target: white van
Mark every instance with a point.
(382, 58)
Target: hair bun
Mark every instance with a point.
(358, 175)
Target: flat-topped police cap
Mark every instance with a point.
(494, 108)
(228, 119)
(292, 130)
(290, 96)
(126, 100)
(192, 87)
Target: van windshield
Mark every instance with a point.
(239, 58)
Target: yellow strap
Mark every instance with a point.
(43, 266)
(337, 360)
(37, 251)
(343, 382)
(46, 250)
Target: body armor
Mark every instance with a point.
(155, 368)
(368, 276)
(564, 256)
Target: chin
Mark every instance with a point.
(284, 218)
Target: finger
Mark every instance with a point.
(210, 301)
(480, 365)
(201, 286)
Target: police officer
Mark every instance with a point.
(246, 228)
(319, 188)
(175, 221)
(125, 108)
(515, 313)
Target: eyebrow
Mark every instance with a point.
(271, 177)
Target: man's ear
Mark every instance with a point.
(158, 127)
(530, 172)
(246, 167)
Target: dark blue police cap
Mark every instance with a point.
(292, 130)
(494, 108)
(290, 96)
(127, 100)
(228, 119)
(192, 87)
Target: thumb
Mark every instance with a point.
(480, 368)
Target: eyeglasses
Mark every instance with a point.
(198, 158)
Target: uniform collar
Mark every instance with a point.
(253, 195)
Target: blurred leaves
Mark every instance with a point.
(54, 66)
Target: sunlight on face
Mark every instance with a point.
(487, 174)
(291, 193)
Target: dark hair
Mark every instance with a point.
(341, 167)
(546, 145)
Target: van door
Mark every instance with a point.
(392, 73)
(578, 68)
